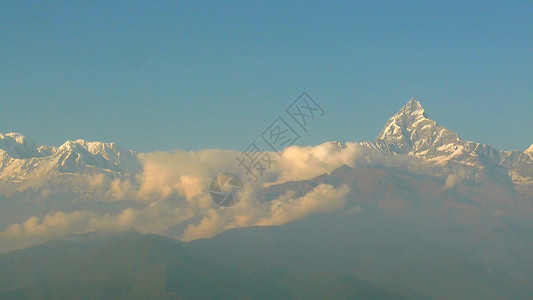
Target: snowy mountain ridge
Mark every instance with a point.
(20, 158)
(409, 132)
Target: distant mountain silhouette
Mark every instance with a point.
(130, 265)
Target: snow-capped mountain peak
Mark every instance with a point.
(21, 159)
(410, 131)
(18, 146)
(412, 108)
(111, 153)
(409, 114)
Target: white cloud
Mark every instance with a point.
(181, 172)
(453, 179)
(160, 217)
(322, 199)
(173, 188)
(300, 163)
(157, 217)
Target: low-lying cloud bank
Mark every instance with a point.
(160, 217)
(171, 196)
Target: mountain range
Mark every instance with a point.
(21, 159)
(408, 133)
(427, 216)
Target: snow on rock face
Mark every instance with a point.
(18, 146)
(410, 131)
(20, 158)
(397, 129)
(76, 155)
(529, 151)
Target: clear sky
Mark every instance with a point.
(154, 75)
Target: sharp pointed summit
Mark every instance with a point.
(411, 131)
(412, 110)
(413, 107)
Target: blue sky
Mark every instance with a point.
(195, 75)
